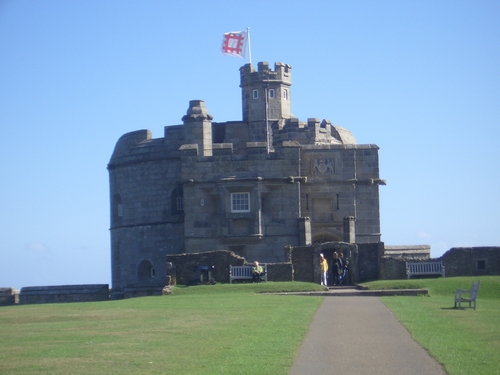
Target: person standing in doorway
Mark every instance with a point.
(336, 268)
(342, 267)
(323, 265)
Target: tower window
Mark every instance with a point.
(177, 202)
(255, 94)
(271, 93)
(240, 202)
(285, 94)
(117, 207)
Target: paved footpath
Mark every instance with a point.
(360, 335)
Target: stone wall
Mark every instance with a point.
(279, 272)
(8, 296)
(472, 261)
(368, 263)
(408, 252)
(460, 261)
(183, 265)
(392, 268)
(303, 264)
(63, 293)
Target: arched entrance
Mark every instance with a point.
(145, 271)
(343, 250)
(325, 235)
(305, 260)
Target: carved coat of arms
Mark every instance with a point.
(323, 166)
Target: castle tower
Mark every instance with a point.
(198, 127)
(265, 97)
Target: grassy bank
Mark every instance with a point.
(466, 341)
(219, 329)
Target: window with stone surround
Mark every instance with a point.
(177, 202)
(240, 202)
(255, 94)
(271, 93)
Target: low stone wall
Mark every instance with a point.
(472, 261)
(408, 252)
(183, 266)
(458, 261)
(64, 293)
(8, 296)
(303, 263)
(279, 272)
(392, 268)
(369, 255)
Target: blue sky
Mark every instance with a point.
(421, 79)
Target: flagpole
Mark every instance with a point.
(249, 49)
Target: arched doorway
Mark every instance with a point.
(326, 235)
(344, 250)
(145, 271)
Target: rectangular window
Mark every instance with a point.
(180, 204)
(271, 93)
(285, 94)
(255, 94)
(240, 202)
(481, 264)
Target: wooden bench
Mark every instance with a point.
(472, 295)
(424, 268)
(245, 273)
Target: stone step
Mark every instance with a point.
(354, 291)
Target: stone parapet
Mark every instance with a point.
(408, 252)
(64, 293)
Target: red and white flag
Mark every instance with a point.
(234, 43)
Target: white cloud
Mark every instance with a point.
(38, 250)
(422, 234)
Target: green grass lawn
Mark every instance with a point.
(466, 341)
(219, 329)
(233, 329)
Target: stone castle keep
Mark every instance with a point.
(269, 188)
(253, 187)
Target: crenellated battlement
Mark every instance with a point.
(265, 95)
(282, 73)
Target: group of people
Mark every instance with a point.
(338, 269)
